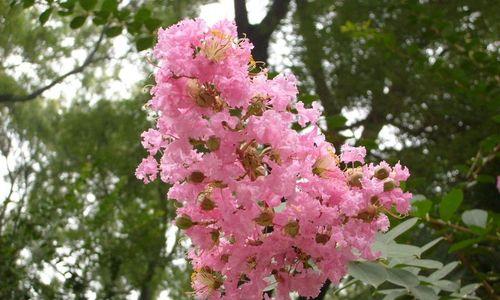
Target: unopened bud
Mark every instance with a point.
(224, 258)
(355, 179)
(389, 185)
(381, 173)
(196, 177)
(322, 238)
(215, 236)
(292, 228)
(213, 143)
(207, 204)
(184, 222)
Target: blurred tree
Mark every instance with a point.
(422, 73)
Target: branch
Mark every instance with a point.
(260, 34)
(88, 60)
(241, 16)
(276, 13)
(313, 57)
(441, 224)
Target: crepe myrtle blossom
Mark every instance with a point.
(265, 205)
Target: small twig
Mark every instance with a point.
(441, 223)
(88, 60)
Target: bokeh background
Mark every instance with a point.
(416, 81)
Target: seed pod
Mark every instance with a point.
(184, 222)
(215, 235)
(213, 143)
(265, 218)
(207, 204)
(381, 173)
(292, 228)
(196, 177)
(389, 185)
(355, 179)
(322, 238)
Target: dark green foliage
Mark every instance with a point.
(428, 70)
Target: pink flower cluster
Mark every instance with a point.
(266, 206)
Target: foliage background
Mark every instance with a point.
(416, 81)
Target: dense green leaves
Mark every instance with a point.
(114, 31)
(144, 43)
(426, 70)
(450, 204)
(77, 22)
(88, 4)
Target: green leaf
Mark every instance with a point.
(423, 263)
(450, 203)
(421, 208)
(463, 244)
(28, 3)
(70, 4)
(152, 24)
(399, 230)
(142, 15)
(475, 217)
(109, 5)
(423, 293)
(368, 272)
(44, 17)
(402, 278)
(65, 13)
(402, 251)
(444, 271)
(393, 294)
(307, 98)
(483, 178)
(144, 43)
(430, 245)
(88, 4)
(123, 14)
(114, 31)
(466, 290)
(77, 22)
(446, 285)
(336, 121)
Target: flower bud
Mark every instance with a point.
(215, 235)
(381, 173)
(213, 143)
(389, 185)
(292, 228)
(207, 204)
(355, 179)
(196, 177)
(184, 222)
(224, 258)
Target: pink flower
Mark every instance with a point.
(152, 140)
(147, 170)
(352, 154)
(262, 203)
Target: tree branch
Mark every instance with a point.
(241, 16)
(260, 34)
(276, 13)
(33, 95)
